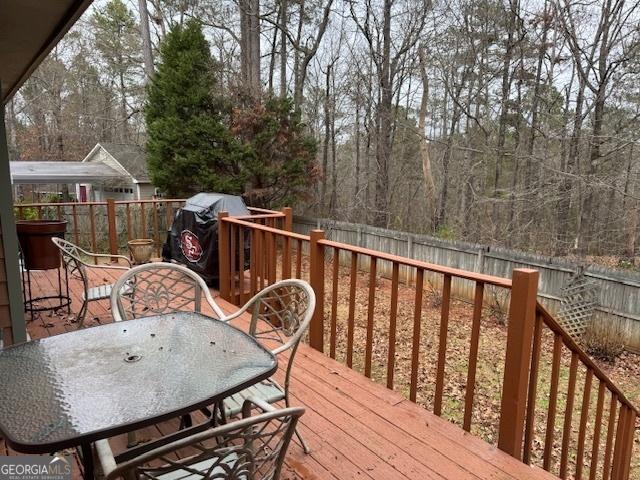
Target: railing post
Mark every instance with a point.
(224, 273)
(316, 277)
(521, 322)
(288, 218)
(286, 247)
(113, 232)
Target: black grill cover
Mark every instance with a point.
(193, 238)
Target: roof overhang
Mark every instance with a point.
(29, 29)
(37, 172)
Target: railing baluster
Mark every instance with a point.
(232, 262)
(442, 347)
(584, 414)
(368, 352)
(156, 228)
(58, 212)
(21, 213)
(619, 447)
(334, 303)
(299, 259)
(241, 265)
(606, 466)
(417, 324)
(352, 308)
(262, 263)
(167, 214)
(143, 222)
(92, 223)
(553, 402)
(223, 256)
(568, 416)
(473, 356)
(130, 233)
(391, 358)
(626, 461)
(76, 231)
(533, 390)
(621, 433)
(253, 264)
(595, 448)
(273, 257)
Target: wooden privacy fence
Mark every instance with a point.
(595, 442)
(618, 292)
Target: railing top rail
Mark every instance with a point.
(454, 272)
(571, 344)
(262, 210)
(257, 226)
(56, 204)
(260, 216)
(151, 200)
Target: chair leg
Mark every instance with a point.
(132, 440)
(305, 447)
(82, 313)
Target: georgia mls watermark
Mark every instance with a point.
(35, 467)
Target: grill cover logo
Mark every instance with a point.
(190, 246)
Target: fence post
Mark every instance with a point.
(113, 232)
(223, 257)
(521, 321)
(316, 277)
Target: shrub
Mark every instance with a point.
(603, 339)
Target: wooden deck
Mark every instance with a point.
(356, 428)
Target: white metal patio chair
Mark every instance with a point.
(158, 288)
(75, 260)
(280, 316)
(252, 448)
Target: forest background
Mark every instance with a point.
(503, 122)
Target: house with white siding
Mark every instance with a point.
(128, 159)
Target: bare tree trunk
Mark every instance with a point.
(429, 186)
(283, 48)
(250, 47)
(383, 119)
(147, 52)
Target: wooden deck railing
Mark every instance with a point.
(108, 226)
(551, 413)
(347, 278)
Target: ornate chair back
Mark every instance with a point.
(251, 448)
(159, 288)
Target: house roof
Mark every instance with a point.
(133, 159)
(33, 172)
(28, 31)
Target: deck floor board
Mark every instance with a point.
(357, 429)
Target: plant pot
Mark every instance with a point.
(39, 252)
(141, 250)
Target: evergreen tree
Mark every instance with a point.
(280, 163)
(189, 148)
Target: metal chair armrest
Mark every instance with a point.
(108, 267)
(106, 255)
(252, 402)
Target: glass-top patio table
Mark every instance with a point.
(73, 389)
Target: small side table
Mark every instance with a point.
(57, 300)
